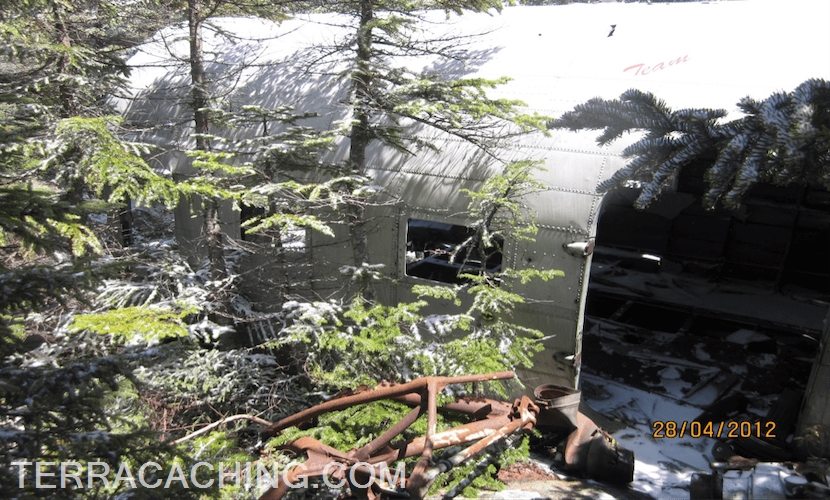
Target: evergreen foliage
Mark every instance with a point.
(88, 150)
(498, 211)
(59, 152)
(781, 140)
(389, 102)
(365, 342)
(97, 392)
(354, 344)
(362, 342)
(250, 172)
(74, 412)
(63, 168)
(107, 351)
(128, 322)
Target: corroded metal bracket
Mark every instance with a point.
(494, 421)
(500, 419)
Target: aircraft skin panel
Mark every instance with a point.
(690, 54)
(693, 54)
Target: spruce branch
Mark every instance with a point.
(778, 140)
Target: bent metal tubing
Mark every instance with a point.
(498, 420)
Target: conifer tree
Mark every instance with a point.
(61, 157)
(388, 101)
(366, 342)
(197, 13)
(60, 161)
(782, 139)
(68, 383)
(224, 169)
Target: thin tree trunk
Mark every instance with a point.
(197, 75)
(214, 239)
(361, 134)
(69, 104)
(67, 95)
(362, 89)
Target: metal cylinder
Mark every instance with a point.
(558, 404)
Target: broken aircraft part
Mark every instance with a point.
(589, 450)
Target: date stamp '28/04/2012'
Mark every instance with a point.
(662, 429)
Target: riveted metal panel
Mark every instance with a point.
(558, 57)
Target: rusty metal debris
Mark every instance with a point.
(589, 449)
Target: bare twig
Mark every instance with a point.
(226, 420)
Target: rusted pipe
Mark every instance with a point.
(418, 481)
(495, 421)
(378, 450)
(526, 412)
(321, 455)
(386, 392)
(384, 439)
(476, 408)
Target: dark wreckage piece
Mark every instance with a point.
(591, 450)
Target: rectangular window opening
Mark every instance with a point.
(291, 238)
(430, 246)
(294, 239)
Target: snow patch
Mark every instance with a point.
(744, 337)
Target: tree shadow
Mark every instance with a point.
(282, 70)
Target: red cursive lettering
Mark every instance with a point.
(642, 69)
(638, 66)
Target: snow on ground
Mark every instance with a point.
(664, 466)
(648, 367)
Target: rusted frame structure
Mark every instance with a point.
(498, 419)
